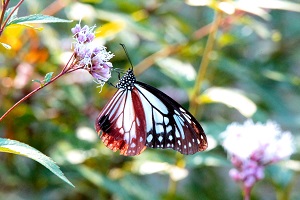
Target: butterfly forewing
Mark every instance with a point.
(168, 124)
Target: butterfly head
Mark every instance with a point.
(127, 81)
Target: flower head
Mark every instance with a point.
(101, 72)
(94, 59)
(264, 142)
(84, 34)
(253, 146)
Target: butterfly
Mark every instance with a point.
(139, 116)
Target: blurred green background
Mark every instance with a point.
(253, 72)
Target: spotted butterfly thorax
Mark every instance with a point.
(140, 116)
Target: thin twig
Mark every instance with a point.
(5, 4)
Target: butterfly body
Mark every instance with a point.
(140, 116)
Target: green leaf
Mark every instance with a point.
(15, 147)
(48, 77)
(6, 46)
(37, 81)
(38, 18)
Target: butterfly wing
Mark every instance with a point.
(140, 116)
(121, 124)
(168, 124)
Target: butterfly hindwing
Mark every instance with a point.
(121, 124)
(168, 124)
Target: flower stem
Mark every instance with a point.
(247, 191)
(204, 63)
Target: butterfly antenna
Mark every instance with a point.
(123, 45)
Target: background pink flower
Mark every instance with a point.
(251, 146)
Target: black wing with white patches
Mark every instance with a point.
(168, 124)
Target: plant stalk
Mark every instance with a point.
(204, 63)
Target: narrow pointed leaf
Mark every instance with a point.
(15, 147)
(37, 81)
(38, 18)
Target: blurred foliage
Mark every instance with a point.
(256, 56)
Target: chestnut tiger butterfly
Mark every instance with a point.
(140, 116)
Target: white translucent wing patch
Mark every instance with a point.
(154, 115)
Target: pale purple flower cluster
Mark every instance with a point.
(247, 171)
(253, 146)
(84, 34)
(94, 59)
